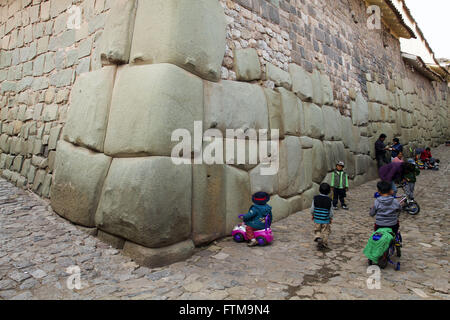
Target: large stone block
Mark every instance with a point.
(327, 89)
(308, 196)
(158, 257)
(235, 105)
(154, 209)
(208, 204)
(260, 182)
(280, 208)
(78, 181)
(118, 32)
(332, 123)
(295, 204)
(246, 64)
(314, 121)
(237, 196)
(190, 34)
(278, 76)
(148, 103)
(302, 84)
(290, 166)
(275, 110)
(317, 88)
(89, 109)
(292, 112)
(319, 163)
(349, 163)
(360, 110)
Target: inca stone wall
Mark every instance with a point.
(40, 58)
(102, 152)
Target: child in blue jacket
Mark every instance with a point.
(255, 219)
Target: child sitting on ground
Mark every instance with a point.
(322, 215)
(339, 184)
(385, 208)
(255, 219)
(411, 172)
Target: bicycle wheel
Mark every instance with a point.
(413, 208)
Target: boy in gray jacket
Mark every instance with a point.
(385, 208)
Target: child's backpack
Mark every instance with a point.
(378, 243)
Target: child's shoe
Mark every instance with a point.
(252, 243)
(344, 206)
(335, 208)
(318, 240)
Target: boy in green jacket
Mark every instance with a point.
(411, 172)
(339, 184)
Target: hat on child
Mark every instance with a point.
(340, 163)
(260, 198)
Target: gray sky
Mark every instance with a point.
(433, 18)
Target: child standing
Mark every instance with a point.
(411, 172)
(385, 208)
(255, 219)
(339, 184)
(322, 215)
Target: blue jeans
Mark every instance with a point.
(394, 188)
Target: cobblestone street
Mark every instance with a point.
(37, 247)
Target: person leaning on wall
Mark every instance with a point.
(381, 151)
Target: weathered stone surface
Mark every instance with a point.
(292, 112)
(208, 205)
(280, 208)
(332, 123)
(307, 196)
(153, 258)
(295, 204)
(360, 110)
(237, 196)
(349, 163)
(53, 138)
(301, 82)
(334, 152)
(246, 64)
(78, 181)
(112, 240)
(275, 109)
(319, 165)
(164, 33)
(156, 99)
(327, 89)
(89, 109)
(118, 32)
(317, 88)
(152, 210)
(306, 142)
(295, 174)
(260, 182)
(314, 121)
(278, 76)
(235, 105)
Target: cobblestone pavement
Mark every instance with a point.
(37, 247)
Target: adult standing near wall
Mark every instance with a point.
(380, 151)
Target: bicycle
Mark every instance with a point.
(409, 206)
